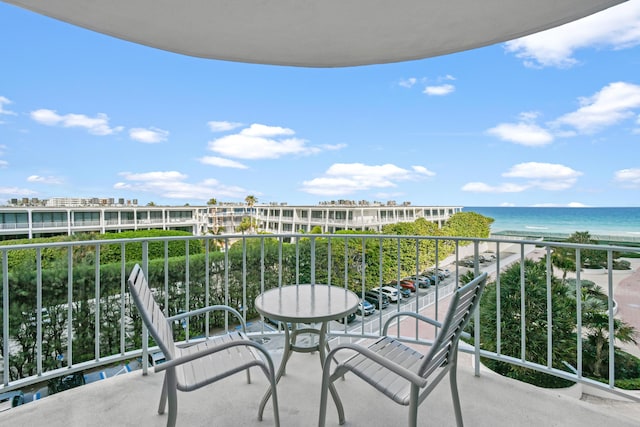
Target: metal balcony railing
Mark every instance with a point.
(66, 308)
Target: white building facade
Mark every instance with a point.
(43, 221)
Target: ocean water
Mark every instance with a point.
(623, 222)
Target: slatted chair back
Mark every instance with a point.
(151, 313)
(462, 306)
(402, 373)
(198, 364)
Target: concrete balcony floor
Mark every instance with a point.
(489, 400)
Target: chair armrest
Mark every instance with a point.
(209, 309)
(410, 314)
(383, 361)
(210, 350)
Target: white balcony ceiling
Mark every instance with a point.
(316, 33)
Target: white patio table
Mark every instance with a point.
(308, 304)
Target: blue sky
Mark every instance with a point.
(552, 119)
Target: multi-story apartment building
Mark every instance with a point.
(332, 218)
(43, 221)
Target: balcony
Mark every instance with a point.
(232, 274)
(489, 400)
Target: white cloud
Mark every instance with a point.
(223, 126)
(262, 142)
(258, 130)
(174, 185)
(628, 177)
(333, 147)
(222, 162)
(6, 101)
(543, 176)
(45, 179)
(98, 125)
(440, 90)
(3, 163)
(348, 178)
(422, 170)
(480, 187)
(148, 136)
(529, 134)
(16, 191)
(612, 104)
(614, 28)
(546, 176)
(408, 83)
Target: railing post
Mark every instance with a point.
(5, 316)
(145, 331)
(612, 331)
(39, 312)
(96, 309)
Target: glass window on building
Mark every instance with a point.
(156, 215)
(180, 215)
(14, 220)
(80, 218)
(50, 219)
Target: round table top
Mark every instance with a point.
(307, 303)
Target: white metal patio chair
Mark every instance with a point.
(400, 372)
(194, 366)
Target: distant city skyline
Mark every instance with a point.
(552, 119)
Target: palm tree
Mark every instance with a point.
(212, 213)
(565, 258)
(595, 319)
(251, 200)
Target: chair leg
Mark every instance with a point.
(163, 396)
(323, 398)
(172, 394)
(274, 398)
(328, 386)
(413, 406)
(454, 394)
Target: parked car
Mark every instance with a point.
(391, 292)
(421, 281)
(11, 399)
(365, 308)
(277, 323)
(444, 271)
(405, 283)
(433, 278)
(377, 298)
(466, 262)
(156, 358)
(350, 318)
(433, 272)
(405, 292)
